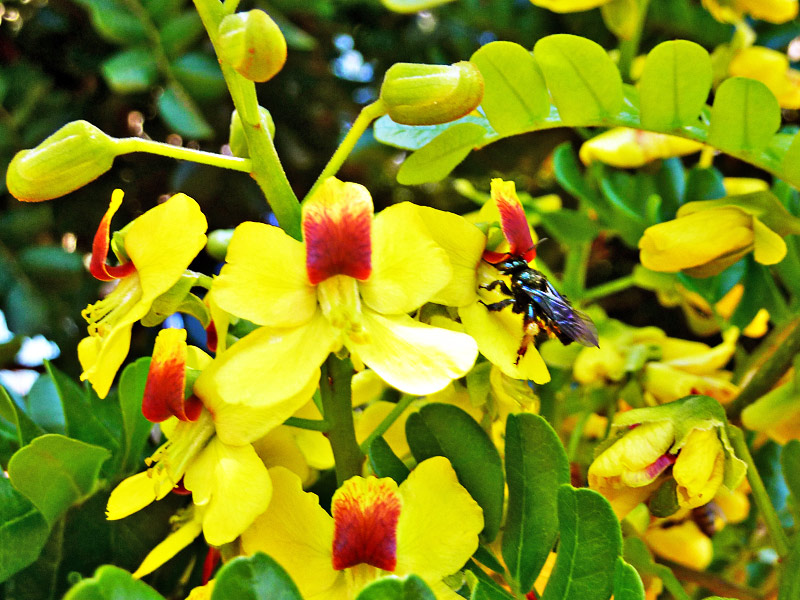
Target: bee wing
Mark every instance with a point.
(574, 323)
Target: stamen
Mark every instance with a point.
(103, 315)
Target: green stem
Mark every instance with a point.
(576, 435)
(714, 583)
(365, 118)
(335, 392)
(608, 288)
(128, 145)
(628, 49)
(764, 504)
(574, 280)
(767, 365)
(311, 424)
(266, 166)
(387, 422)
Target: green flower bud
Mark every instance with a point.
(70, 158)
(431, 94)
(218, 241)
(237, 140)
(252, 44)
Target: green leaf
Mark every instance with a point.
(745, 115)
(23, 531)
(180, 33)
(112, 583)
(589, 545)
(384, 462)
(40, 580)
(789, 588)
(514, 95)
(180, 113)
(53, 267)
(790, 465)
(44, 405)
(570, 226)
(627, 583)
(136, 428)
(83, 412)
(414, 137)
(585, 83)
(446, 430)
(674, 85)
(26, 429)
(569, 175)
(487, 591)
(133, 70)
(391, 588)
(791, 160)
(637, 554)
(114, 22)
(200, 75)
(536, 466)
(434, 161)
(257, 577)
(55, 472)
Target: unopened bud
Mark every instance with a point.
(218, 242)
(417, 94)
(237, 140)
(252, 44)
(70, 158)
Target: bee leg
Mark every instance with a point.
(495, 306)
(529, 331)
(498, 283)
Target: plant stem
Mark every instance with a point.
(628, 49)
(310, 424)
(575, 270)
(767, 365)
(608, 288)
(266, 166)
(128, 145)
(576, 435)
(714, 583)
(367, 115)
(335, 391)
(764, 504)
(387, 422)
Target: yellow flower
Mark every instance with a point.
(705, 239)
(683, 543)
(687, 436)
(703, 319)
(568, 6)
(777, 413)
(210, 451)
(771, 68)
(159, 246)
(428, 526)
(627, 148)
(732, 11)
(350, 284)
(667, 383)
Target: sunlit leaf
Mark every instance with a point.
(745, 115)
(434, 161)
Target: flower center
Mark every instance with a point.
(104, 314)
(365, 513)
(185, 443)
(341, 304)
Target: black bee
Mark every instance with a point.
(541, 306)
(705, 518)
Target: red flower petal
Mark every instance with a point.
(337, 229)
(98, 267)
(365, 513)
(513, 220)
(166, 380)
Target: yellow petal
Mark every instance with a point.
(279, 449)
(163, 242)
(735, 505)
(667, 384)
(269, 365)
(684, 544)
(411, 356)
(439, 525)
(637, 449)
(499, 343)
(699, 468)
(298, 533)
(696, 357)
(134, 493)
(174, 543)
(242, 423)
(769, 246)
(395, 436)
(408, 268)
(567, 6)
(464, 244)
(599, 364)
(233, 485)
(313, 444)
(773, 11)
(264, 279)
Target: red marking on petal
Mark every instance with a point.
(337, 229)
(211, 337)
(98, 267)
(210, 563)
(166, 380)
(513, 220)
(531, 595)
(660, 465)
(365, 513)
(494, 257)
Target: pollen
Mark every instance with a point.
(365, 513)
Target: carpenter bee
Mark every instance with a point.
(542, 308)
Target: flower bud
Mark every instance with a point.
(417, 94)
(237, 140)
(252, 44)
(70, 158)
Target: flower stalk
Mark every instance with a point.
(335, 391)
